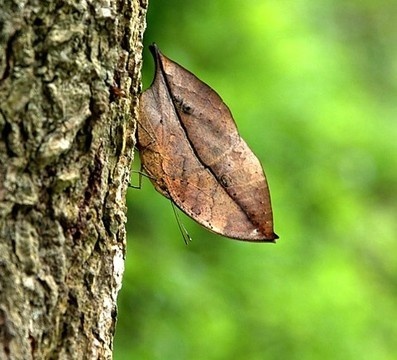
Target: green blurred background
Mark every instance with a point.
(312, 86)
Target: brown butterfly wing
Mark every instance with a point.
(199, 161)
(211, 129)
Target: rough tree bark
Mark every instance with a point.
(67, 137)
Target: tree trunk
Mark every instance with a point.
(69, 79)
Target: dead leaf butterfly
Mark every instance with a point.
(192, 152)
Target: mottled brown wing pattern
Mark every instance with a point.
(191, 149)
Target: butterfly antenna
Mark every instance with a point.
(140, 173)
(182, 229)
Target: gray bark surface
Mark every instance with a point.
(69, 79)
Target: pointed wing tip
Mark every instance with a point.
(154, 49)
(271, 238)
(274, 238)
